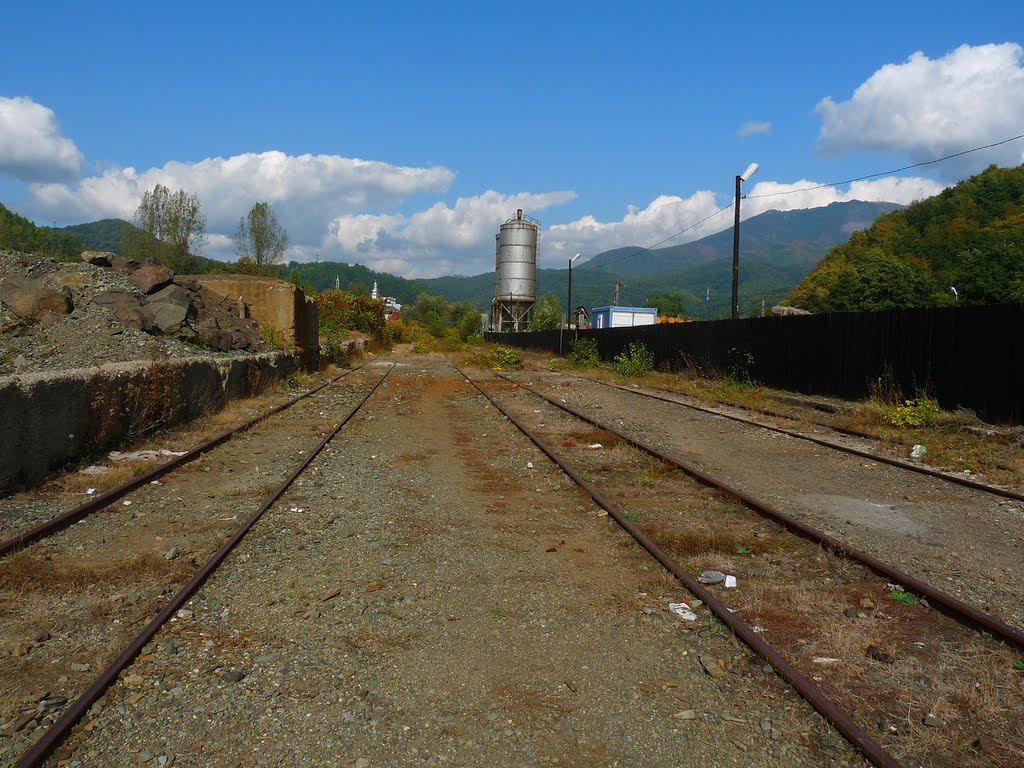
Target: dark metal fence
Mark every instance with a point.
(971, 357)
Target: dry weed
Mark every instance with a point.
(25, 571)
(118, 473)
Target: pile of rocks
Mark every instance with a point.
(109, 308)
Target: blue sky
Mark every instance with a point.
(613, 124)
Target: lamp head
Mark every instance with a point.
(574, 258)
(751, 170)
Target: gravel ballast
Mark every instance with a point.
(434, 592)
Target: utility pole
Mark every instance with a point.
(736, 254)
(618, 285)
(736, 241)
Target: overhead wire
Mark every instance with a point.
(641, 249)
(886, 173)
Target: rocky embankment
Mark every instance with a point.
(108, 308)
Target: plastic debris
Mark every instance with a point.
(711, 577)
(595, 445)
(682, 610)
(730, 582)
(529, 465)
(90, 491)
(126, 503)
(143, 455)
(918, 451)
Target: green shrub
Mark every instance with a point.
(341, 311)
(741, 367)
(503, 358)
(273, 337)
(914, 413)
(584, 354)
(634, 360)
(333, 350)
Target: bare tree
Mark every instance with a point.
(260, 238)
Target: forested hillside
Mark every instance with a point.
(19, 234)
(969, 237)
(102, 235)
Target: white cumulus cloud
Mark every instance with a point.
(751, 129)
(668, 215)
(929, 108)
(306, 191)
(440, 240)
(31, 146)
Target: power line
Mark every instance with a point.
(886, 173)
(670, 237)
(641, 249)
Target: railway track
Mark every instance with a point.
(73, 713)
(966, 482)
(967, 538)
(65, 519)
(562, 445)
(417, 541)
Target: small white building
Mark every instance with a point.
(622, 317)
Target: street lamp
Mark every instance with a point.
(736, 242)
(568, 316)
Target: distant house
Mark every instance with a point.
(581, 317)
(623, 317)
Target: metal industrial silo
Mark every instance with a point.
(515, 278)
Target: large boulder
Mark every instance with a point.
(114, 297)
(124, 264)
(19, 293)
(172, 294)
(97, 258)
(151, 278)
(28, 297)
(168, 316)
(135, 316)
(57, 302)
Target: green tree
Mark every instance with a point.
(358, 287)
(170, 226)
(340, 312)
(261, 238)
(547, 313)
(669, 303)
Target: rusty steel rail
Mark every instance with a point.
(951, 605)
(38, 752)
(966, 482)
(72, 516)
(873, 751)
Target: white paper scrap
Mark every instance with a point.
(682, 610)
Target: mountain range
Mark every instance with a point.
(778, 248)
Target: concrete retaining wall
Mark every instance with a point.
(49, 419)
(276, 303)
